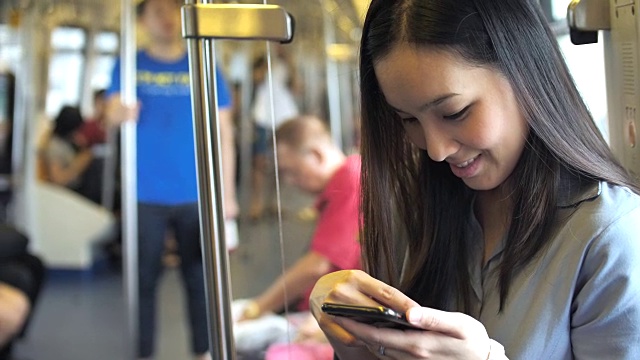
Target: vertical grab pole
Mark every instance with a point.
(333, 80)
(209, 167)
(201, 23)
(129, 183)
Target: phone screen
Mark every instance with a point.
(379, 316)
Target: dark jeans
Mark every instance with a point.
(153, 222)
(91, 183)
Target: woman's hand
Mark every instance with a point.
(445, 335)
(352, 287)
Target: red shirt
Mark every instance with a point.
(93, 132)
(336, 233)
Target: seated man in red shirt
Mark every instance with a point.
(308, 159)
(93, 130)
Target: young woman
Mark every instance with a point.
(64, 159)
(495, 216)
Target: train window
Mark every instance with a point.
(68, 38)
(101, 76)
(555, 10)
(106, 42)
(106, 51)
(9, 47)
(65, 68)
(586, 63)
(559, 9)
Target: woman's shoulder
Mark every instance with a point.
(607, 202)
(57, 142)
(602, 243)
(606, 213)
(56, 146)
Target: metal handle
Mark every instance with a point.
(237, 22)
(589, 15)
(585, 18)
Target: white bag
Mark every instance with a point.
(254, 336)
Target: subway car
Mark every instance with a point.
(258, 60)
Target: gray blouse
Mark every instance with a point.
(580, 299)
(59, 151)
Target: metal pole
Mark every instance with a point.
(347, 114)
(246, 123)
(129, 183)
(212, 228)
(333, 82)
(201, 24)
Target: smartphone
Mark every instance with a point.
(379, 316)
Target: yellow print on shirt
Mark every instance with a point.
(163, 78)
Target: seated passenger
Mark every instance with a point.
(93, 135)
(21, 278)
(14, 309)
(308, 159)
(64, 160)
(284, 107)
(93, 131)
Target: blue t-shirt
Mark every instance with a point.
(165, 143)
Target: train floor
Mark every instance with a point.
(80, 316)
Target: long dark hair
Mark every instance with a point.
(67, 122)
(429, 205)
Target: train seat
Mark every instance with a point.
(69, 228)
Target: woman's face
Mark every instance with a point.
(462, 114)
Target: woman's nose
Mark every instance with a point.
(439, 142)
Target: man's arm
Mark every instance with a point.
(227, 145)
(64, 176)
(298, 279)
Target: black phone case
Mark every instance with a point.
(379, 316)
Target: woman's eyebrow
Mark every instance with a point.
(428, 104)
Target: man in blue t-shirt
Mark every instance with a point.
(166, 166)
